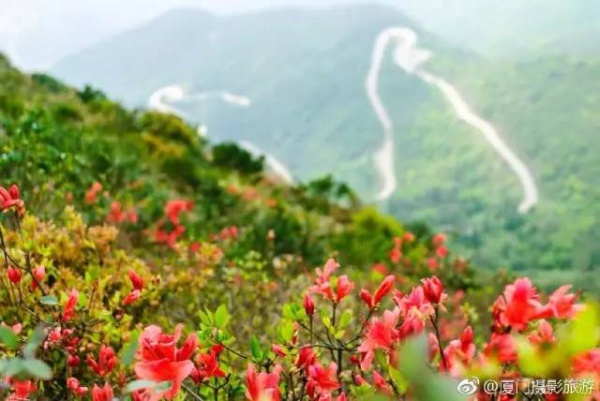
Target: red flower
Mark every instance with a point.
(132, 297)
(395, 255)
(367, 298)
(262, 386)
(107, 361)
(433, 290)
(39, 273)
(11, 199)
(433, 347)
(323, 275)
(414, 301)
(441, 252)
(169, 237)
(588, 362)
(380, 384)
(384, 288)
(503, 347)
(102, 393)
(54, 336)
(116, 214)
(518, 305)
(459, 353)
(360, 381)
(544, 335)
(380, 268)
(69, 308)
(306, 357)
(75, 387)
(438, 240)
(208, 367)
(22, 389)
(323, 380)
(160, 360)
(278, 350)
(381, 334)
(322, 285)
(92, 193)
(173, 209)
(73, 360)
(131, 215)
(14, 275)
(561, 305)
(228, 233)
(432, 264)
(136, 280)
(309, 305)
(344, 287)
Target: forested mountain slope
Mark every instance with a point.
(308, 107)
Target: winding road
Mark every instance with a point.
(161, 101)
(409, 57)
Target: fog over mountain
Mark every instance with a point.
(471, 139)
(38, 33)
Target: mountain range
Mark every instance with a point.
(303, 73)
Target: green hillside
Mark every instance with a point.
(264, 57)
(549, 105)
(61, 143)
(304, 72)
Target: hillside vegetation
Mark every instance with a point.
(141, 263)
(124, 227)
(309, 109)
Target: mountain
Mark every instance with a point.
(79, 149)
(247, 52)
(303, 73)
(512, 28)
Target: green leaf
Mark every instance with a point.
(530, 361)
(8, 337)
(255, 349)
(144, 384)
(139, 385)
(35, 340)
(584, 332)
(426, 385)
(286, 331)
(49, 300)
(129, 351)
(221, 317)
(38, 368)
(345, 319)
(163, 386)
(327, 323)
(11, 366)
(288, 312)
(204, 318)
(399, 380)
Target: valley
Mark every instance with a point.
(471, 144)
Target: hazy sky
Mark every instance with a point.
(37, 33)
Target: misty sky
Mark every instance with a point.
(37, 33)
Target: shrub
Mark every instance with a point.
(87, 315)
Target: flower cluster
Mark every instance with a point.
(94, 333)
(170, 228)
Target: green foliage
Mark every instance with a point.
(543, 105)
(231, 156)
